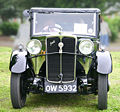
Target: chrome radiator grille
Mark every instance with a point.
(53, 61)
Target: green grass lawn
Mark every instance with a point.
(58, 103)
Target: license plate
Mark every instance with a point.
(61, 88)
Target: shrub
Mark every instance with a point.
(8, 28)
(0, 33)
(114, 24)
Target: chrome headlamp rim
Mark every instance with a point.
(90, 50)
(39, 47)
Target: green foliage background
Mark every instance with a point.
(114, 24)
(9, 28)
(13, 8)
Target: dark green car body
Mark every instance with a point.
(70, 59)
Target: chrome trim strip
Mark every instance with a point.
(46, 61)
(61, 61)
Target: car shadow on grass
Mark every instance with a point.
(61, 100)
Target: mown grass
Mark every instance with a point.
(58, 102)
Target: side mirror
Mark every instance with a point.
(26, 13)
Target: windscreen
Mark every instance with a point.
(70, 23)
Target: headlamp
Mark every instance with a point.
(34, 46)
(86, 46)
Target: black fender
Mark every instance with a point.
(104, 62)
(18, 61)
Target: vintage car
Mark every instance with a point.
(62, 56)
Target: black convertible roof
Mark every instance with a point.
(65, 10)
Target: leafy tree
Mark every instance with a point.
(7, 9)
(102, 4)
(12, 8)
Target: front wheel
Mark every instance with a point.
(18, 94)
(102, 91)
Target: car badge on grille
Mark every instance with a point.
(53, 42)
(60, 46)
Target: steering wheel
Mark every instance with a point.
(54, 28)
(50, 28)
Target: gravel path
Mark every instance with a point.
(8, 42)
(23, 38)
(114, 47)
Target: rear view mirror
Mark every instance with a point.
(26, 13)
